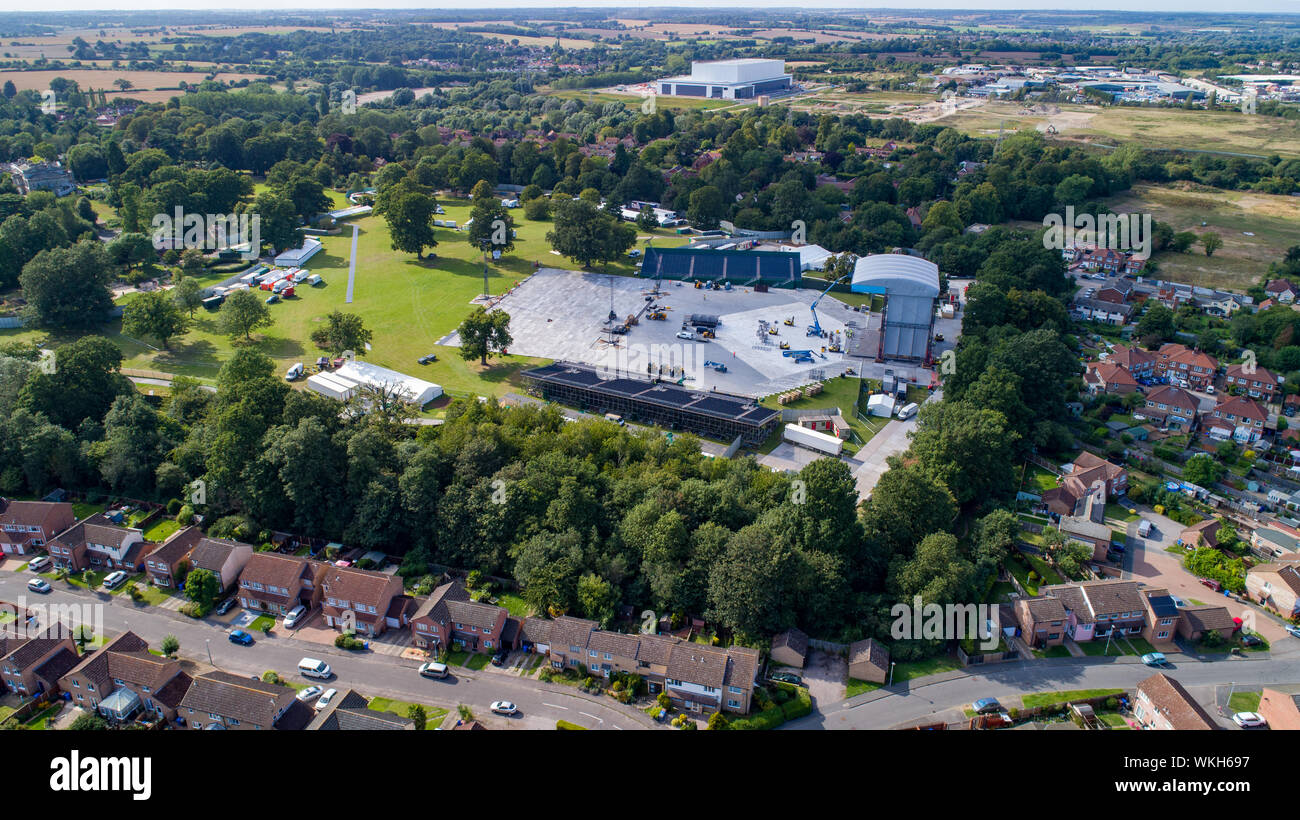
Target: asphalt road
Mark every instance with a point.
(540, 704)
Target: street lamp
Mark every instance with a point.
(208, 641)
(891, 674)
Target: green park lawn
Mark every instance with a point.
(1051, 698)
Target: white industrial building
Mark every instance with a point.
(910, 286)
(742, 79)
(297, 256)
(343, 383)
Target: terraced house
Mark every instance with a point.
(28, 525)
(1185, 367)
(1099, 609)
(696, 677)
(277, 583)
(31, 666)
(361, 600)
(449, 618)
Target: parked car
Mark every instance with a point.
(499, 658)
(433, 669)
(309, 693)
(432, 357)
(115, 579)
(1157, 659)
(786, 677)
(241, 637)
(986, 706)
(1249, 720)
(1294, 631)
(294, 373)
(1211, 583)
(273, 298)
(504, 707)
(685, 334)
(225, 606)
(39, 563)
(39, 585)
(295, 616)
(1251, 640)
(326, 699)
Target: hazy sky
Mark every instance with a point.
(1255, 6)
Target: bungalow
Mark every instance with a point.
(1100, 609)
(359, 600)
(1173, 407)
(31, 666)
(1259, 383)
(1163, 703)
(695, 677)
(1281, 290)
(1202, 534)
(276, 583)
(224, 559)
(1279, 704)
(1199, 620)
(1276, 586)
(96, 542)
(167, 565)
(449, 618)
(122, 678)
(28, 525)
(868, 661)
(222, 700)
(1238, 417)
(1185, 367)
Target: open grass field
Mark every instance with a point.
(408, 304)
(634, 100)
(147, 86)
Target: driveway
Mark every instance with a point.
(825, 676)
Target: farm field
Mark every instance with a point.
(148, 86)
(634, 100)
(409, 306)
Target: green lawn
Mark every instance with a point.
(857, 687)
(1244, 702)
(83, 510)
(842, 393)
(161, 530)
(457, 657)
(148, 594)
(1119, 513)
(1113, 719)
(514, 604)
(1038, 699)
(1052, 652)
(259, 623)
(434, 714)
(41, 719)
(1096, 648)
(478, 661)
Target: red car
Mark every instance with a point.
(1211, 583)
(287, 292)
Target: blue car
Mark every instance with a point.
(241, 637)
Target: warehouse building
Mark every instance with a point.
(910, 286)
(354, 377)
(742, 79)
(739, 268)
(714, 415)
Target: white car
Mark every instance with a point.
(685, 334)
(39, 585)
(39, 563)
(115, 579)
(295, 616)
(326, 699)
(294, 373)
(1249, 720)
(504, 707)
(309, 693)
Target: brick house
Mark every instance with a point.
(276, 583)
(790, 648)
(1276, 586)
(1141, 364)
(1280, 706)
(31, 666)
(29, 525)
(1163, 703)
(1201, 534)
(1173, 407)
(449, 618)
(1108, 377)
(358, 599)
(696, 678)
(224, 559)
(868, 661)
(1200, 619)
(1261, 384)
(123, 669)
(1185, 367)
(1096, 609)
(1239, 418)
(167, 565)
(221, 700)
(1042, 620)
(99, 544)
(1162, 618)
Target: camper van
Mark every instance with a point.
(312, 668)
(907, 411)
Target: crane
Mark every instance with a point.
(815, 329)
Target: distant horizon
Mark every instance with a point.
(1211, 7)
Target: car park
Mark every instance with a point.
(39, 585)
(39, 563)
(295, 616)
(1249, 720)
(504, 707)
(1156, 659)
(241, 637)
(326, 699)
(115, 579)
(310, 693)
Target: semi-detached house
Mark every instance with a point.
(448, 618)
(29, 525)
(362, 601)
(99, 544)
(276, 583)
(122, 677)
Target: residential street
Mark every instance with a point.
(540, 704)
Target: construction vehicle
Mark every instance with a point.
(718, 366)
(785, 345)
(773, 331)
(698, 284)
(631, 320)
(789, 322)
(658, 314)
(815, 329)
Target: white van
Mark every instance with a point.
(312, 668)
(614, 417)
(907, 411)
(1144, 529)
